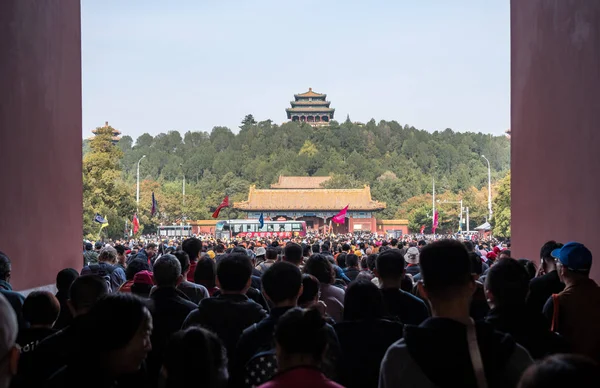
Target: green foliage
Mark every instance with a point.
(501, 207)
(396, 161)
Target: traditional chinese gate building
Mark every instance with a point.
(303, 198)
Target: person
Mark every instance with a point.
(195, 355)
(206, 274)
(40, 311)
(148, 254)
(506, 288)
(548, 281)
(364, 316)
(192, 246)
(310, 292)
(64, 280)
(319, 266)
(170, 308)
(135, 266)
(89, 255)
(449, 350)
(107, 269)
(261, 252)
(301, 342)
(399, 304)
(52, 353)
(575, 311)
(9, 351)
(562, 370)
(270, 258)
(479, 304)
(412, 260)
(351, 269)
(194, 292)
(121, 258)
(228, 314)
(504, 254)
(143, 283)
(292, 253)
(14, 298)
(116, 355)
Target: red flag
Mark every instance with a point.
(340, 218)
(422, 229)
(223, 204)
(435, 222)
(136, 224)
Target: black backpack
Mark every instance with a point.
(104, 271)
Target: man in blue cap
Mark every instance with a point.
(575, 312)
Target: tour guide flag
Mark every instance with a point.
(105, 224)
(261, 220)
(99, 219)
(154, 207)
(223, 204)
(340, 218)
(435, 222)
(136, 224)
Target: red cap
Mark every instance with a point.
(144, 277)
(491, 255)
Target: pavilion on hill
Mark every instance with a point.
(310, 107)
(302, 198)
(116, 133)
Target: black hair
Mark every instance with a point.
(529, 267)
(306, 250)
(319, 266)
(547, 248)
(371, 261)
(476, 263)
(562, 370)
(86, 290)
(301, 331)
(135, 266)
(422, 243)
(346, 247)
(124, 309)
(394, 242)
(282, 281)
(508, 281)
(310, 289)
(506, 252)
(445, 265)
(192, 246)
(206, 272)
(4, 266)
(41, 308)
(184, 260)
(234, 271)
(469, 245)
(341, 260)
(65, 278)
(293, 253)
(352, 260)
(220, 248)
(316, 248)
(195, 354)
(272, 253)
(325, 247)
(151, 245)
(363, 300)
(390, 264)
(364, 263)
(120, 249)
(167, 270)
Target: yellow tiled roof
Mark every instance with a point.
(309, 199)
(313, 102)
(300, 182)
(310, 93)
(301, 109)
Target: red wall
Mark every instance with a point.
(555, 124)
(40, 138)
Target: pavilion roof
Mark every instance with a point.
(300, 182)
(311, 94)
(313, 102)
(309, 199)
(307, 109)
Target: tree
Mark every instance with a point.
(501, 206)
(248, 120)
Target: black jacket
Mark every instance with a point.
(529, 329)
(170, 307)
(542, 288)
(227, 316)
(363, 345)
(352, 273)
(404, 306)
(65, 317)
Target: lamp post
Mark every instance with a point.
(460, 202)
(137, 191)
(489, 188)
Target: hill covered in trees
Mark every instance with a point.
(397, 161)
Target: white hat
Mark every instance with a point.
(412, 255)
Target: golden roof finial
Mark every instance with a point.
(310, 89)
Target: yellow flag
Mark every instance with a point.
(104, 225)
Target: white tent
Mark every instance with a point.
(485, 226)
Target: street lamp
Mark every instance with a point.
(137, 192)
(489, 188)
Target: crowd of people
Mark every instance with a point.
(317, 311)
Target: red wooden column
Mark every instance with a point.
(40, 138)
(555, 124)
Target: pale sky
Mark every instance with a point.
(154, 65)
